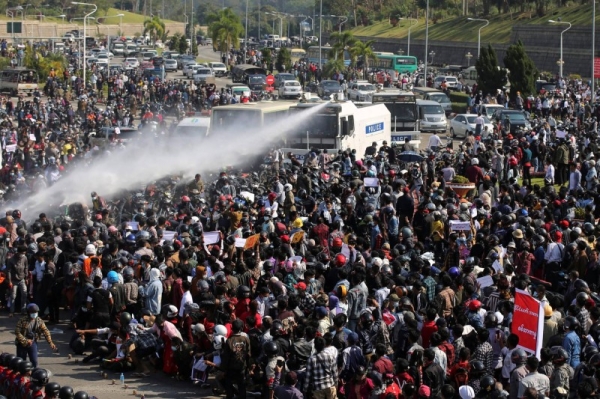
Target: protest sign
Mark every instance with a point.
(528, 322)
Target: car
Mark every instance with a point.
(361, 91)
(282, 77)
(108, 53)
(158, 61)
(183, 59)
(451, 82)
(170, 55)
(187, 68)
(124, 134)
(131, 63)
(191, 70)
(329, 87)
(290, 88)
(115, 68)
(202, 74)
(516, 119)
(103, 57)
(489, 109)
(148, 55)
(170, 65)
(462, 124)
(102, 65)
(218, 68)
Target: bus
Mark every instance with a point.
(398, 63)
(17, 80)
(297, 54)
(403, 109)
(313, 55)
(335, 126)
(231, 119)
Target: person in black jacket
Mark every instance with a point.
(433, 375)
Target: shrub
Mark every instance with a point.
(458, 179)
(459, 108)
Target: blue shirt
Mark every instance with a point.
(572, 345)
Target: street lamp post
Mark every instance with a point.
(426, 41)
(246, 34)
(562, 61)
(593, 94)
(479, 34)
(120, 16)
(320, 35)
(76, 3)
(409, 28)
(469, 56)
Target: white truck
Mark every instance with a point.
(118, 48)
(338, 125)
(403, 108)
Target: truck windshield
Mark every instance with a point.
(319, 127)
(402, 111)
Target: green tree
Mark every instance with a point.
(267, 56)
(225, 29)
(341, 42)
(182, 45)
(174, 42)
(155, 28)
(332, 66)
(522, 70)
(284, 60)
(490, 76)
(363, 51)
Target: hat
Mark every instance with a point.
(558, 235)
(466, 392)
(512, 244)
(564, 224)
(518, 233)
(297, 224)
(393, 297)
(547, 310)
(285, 239)
(301, 286)
(321, 311)
(425, 391)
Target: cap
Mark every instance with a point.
(301, 286)
(518, 233)
(394, 298)
(564, 224)
(425, 391)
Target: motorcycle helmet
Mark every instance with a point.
(271, 348)
(170, 311)
(52, 389)
(490, 320)
(571, 323)
(366, 319)
(112, 277)
(474, 305)
(454, 272)
(487, 383)
(220, 330)
(340, 260)
(477, 366)
(39, 378)
(125, 318)
(8, 358)
(81, 395)
(582, 298)
(66, 392)
(589, 351)
(518, 356)
(15, 364)
(243, 292)
(25, 367)
(559, 355)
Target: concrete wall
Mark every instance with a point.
(542, 44)
(36, 29)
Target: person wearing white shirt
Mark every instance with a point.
(549, 177)
(186, 298)
(40, 267)
(434, 142)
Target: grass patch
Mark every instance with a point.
(460, 29)
(128, 17)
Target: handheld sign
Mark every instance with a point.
(270, 80)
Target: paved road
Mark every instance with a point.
(87, 377)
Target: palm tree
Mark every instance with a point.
(225, 29)
(342, 41)
(332, 66)
(155, 27)
(363, 50)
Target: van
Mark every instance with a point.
(239, 90)
(428, 93)
(489, 109)
(432, 117)
(193, 127)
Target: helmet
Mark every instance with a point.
(112, 277)
(518, 356)
(582, 298)
(366, 319)
(142, 235)
(595, 360)
(277, 329)
(589, 351)
(125, 318)
(39, 378)
(340, 260)
(337, 242)
(474, 305)
(271, 348)
(128, 272)
(185, 198)
(491, 320)
(220, 330)
(243, 291)
(267, 265)
(81, 395)
(454, 272)
(487, 383)
(15, 364)
(477, 365)
(170, 311)
(66, 392)
(8, 358)
(52, 389)
(571, 323)
(407, 232)
(559, 355)
(25, 367)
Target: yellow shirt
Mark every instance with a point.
(437, 225)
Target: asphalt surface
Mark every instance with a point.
(87, 377)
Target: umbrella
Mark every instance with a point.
(410, 156)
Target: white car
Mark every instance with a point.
(170, 65)
(451, 82)
(361, 91)
(462, 124)
(202, 74)
(290, 88)
(218, 68)
(131, 63)
(187, 68)
(191, 71)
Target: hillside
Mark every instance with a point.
(462, 30)
(128, 17)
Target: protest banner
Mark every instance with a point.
(456, 225)
(528, 322)
(251, 241)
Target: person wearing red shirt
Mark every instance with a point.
(429, 327)
(474, 173)
(381, 363)
(360, 387)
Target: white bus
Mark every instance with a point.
(193, 127)
(231, 119)
(18, 80)
(338, 126)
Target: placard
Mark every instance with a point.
(248, 195)
(457, 225)
(168, 235)
(485, 281)
(240, 242)
(134, 225)
(251, 241)
(561, 134)
(497, 266)
(11, 148)
(297, 237)
(528, 322)
(371, 182)
(211, 237)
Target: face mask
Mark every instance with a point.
(312, 280)
(33, 315)
(174, 348)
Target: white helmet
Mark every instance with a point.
(172, 311)
(221, 330)
(218, 341)
(198, 328)
(287, 187)
(90, 249)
